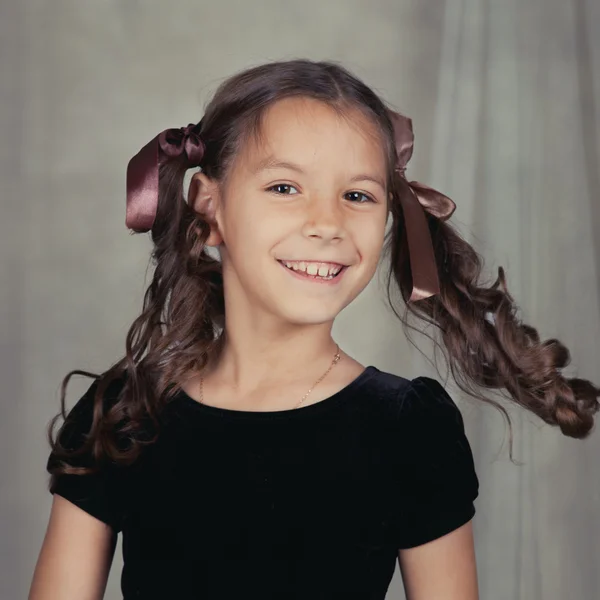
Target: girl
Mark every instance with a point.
(239, 450)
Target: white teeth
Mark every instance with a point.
(323, 270)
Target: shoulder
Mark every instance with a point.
(384, 388)
(430, 420)
(425, 398)
(423, 419)
(414, 400)
(109, 386)
(79, 418)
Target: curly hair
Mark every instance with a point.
(181, 325)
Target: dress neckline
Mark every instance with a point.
(328, 403)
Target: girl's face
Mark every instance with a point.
(300, 223)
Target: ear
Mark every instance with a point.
(205, 198)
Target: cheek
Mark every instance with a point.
(253, 232)
(369, 237)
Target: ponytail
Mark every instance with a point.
(484, 342)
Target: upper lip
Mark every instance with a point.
(308, 260)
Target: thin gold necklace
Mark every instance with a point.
(336, 359)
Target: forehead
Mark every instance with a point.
(312, 133)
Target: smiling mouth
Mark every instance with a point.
(323, 271)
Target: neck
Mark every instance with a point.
(252, 357)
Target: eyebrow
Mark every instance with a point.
(273, 163)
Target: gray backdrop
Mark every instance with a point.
(504, 97)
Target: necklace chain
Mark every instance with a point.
(336, 359)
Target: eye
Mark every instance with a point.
(359, 194)
(280, 188)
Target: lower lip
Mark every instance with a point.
(315, 278)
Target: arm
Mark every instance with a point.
(75, 557)
(443, 569)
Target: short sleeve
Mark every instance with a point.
(97, 493)
(437, 479)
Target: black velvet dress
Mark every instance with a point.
(308, 503)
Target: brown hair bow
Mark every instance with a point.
(142, 172)
(421, 198)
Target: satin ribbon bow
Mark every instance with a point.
(421, 198)
(142, 172)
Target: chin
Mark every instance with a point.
(305, 315)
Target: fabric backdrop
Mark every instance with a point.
(505, 102)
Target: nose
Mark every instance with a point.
(324, 220)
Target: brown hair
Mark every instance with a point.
(180, 327)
